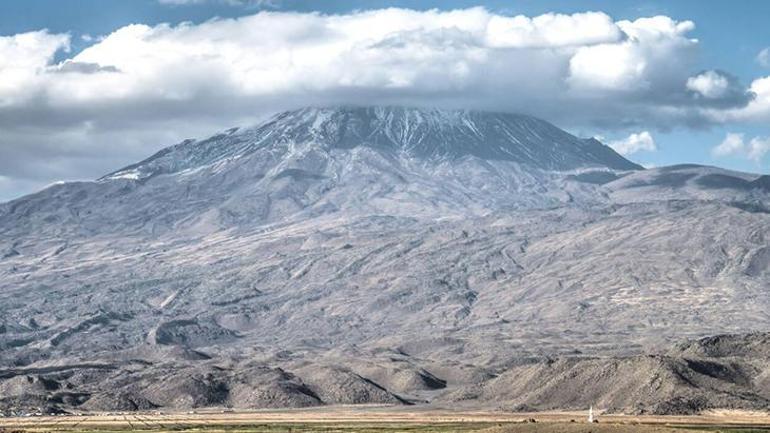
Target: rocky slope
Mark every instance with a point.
(388, 255)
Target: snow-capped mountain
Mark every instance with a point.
(397, 161)
(427, 134)
(383, 254)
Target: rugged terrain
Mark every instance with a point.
(388, 255)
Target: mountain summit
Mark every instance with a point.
(428, 134)
(437, 134)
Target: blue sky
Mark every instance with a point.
(50, 137)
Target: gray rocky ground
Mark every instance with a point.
(388, 255)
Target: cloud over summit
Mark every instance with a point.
(548, 63)
(176, 81)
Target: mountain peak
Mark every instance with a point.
(424, 133)
(448, 133)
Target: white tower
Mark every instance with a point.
(591, 414)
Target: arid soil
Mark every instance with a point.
(388, 418)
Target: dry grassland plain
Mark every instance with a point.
(387, 420)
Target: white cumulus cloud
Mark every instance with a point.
(731, 145)
(654, 53)
(758, 109)
(758, 148)
(552, 30)
(763, 58)
(636, 142)
(735, 144)
(709, 84)
(551, 65)
(23, 58)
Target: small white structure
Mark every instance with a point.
(591, 414)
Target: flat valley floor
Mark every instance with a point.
(387, 420)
